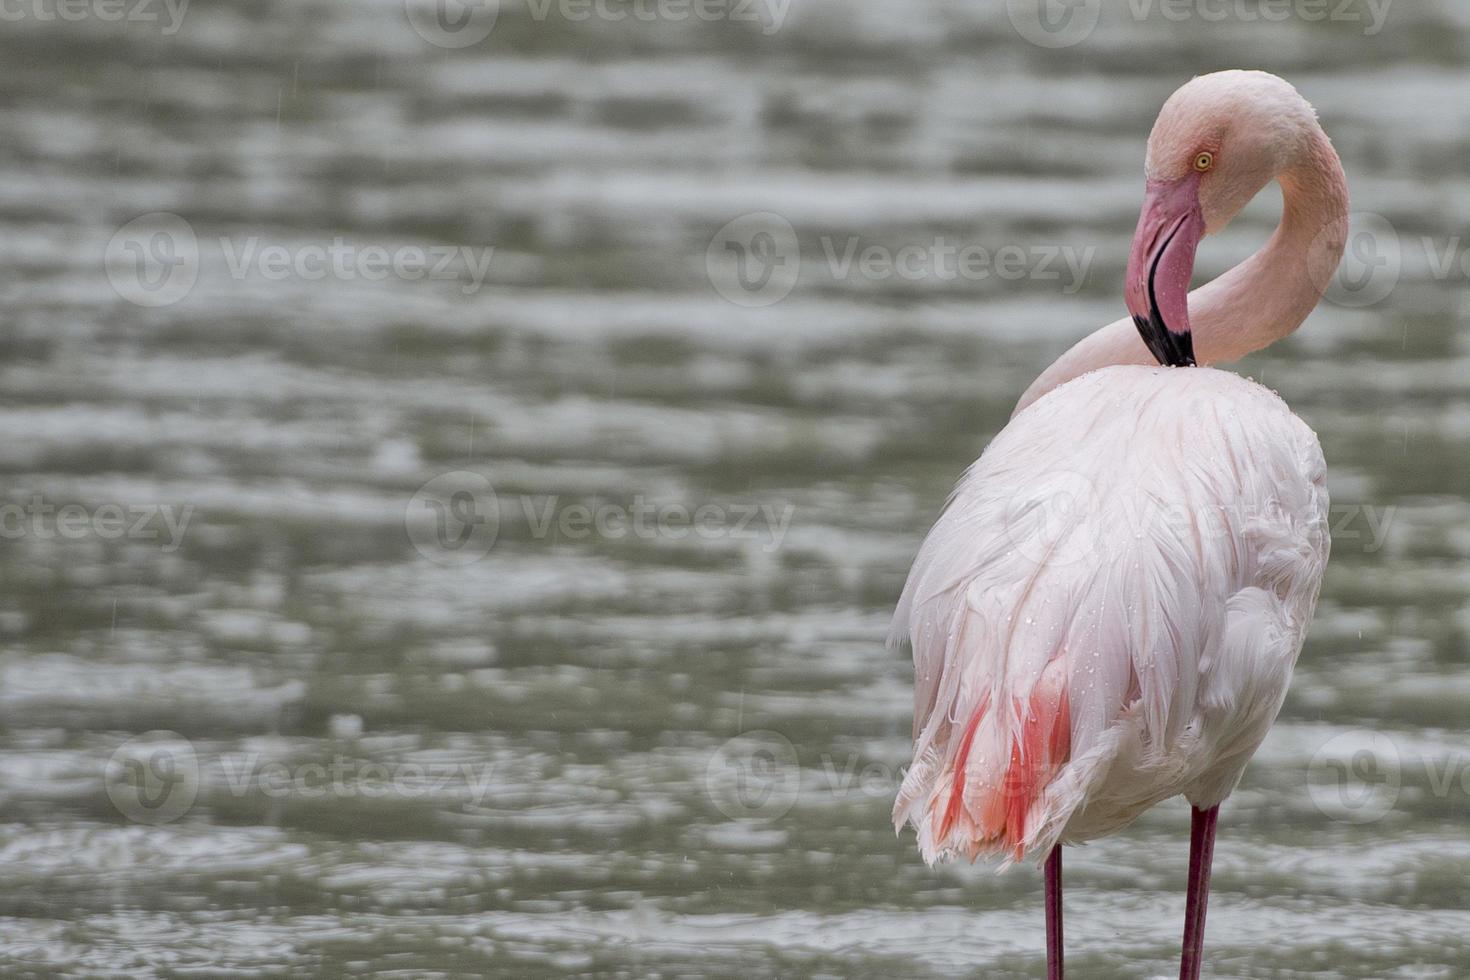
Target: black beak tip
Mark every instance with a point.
(1168, 348)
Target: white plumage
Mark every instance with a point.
(1109, 609)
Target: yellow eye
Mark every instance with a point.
(1204, 162)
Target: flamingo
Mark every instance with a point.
(1108, 610)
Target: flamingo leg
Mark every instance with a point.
(1201, 857)
(1054, 914)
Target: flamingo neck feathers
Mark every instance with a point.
(1266, 297)
(1257, 302)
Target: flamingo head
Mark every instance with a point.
(1218, 140)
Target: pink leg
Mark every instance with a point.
(1201, 856)
(1054, 914)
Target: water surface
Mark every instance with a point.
(567, 749)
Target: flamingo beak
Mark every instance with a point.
(1160, 264)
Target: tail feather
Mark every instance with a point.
(957, 782)
(985, 803)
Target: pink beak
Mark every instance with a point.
(1160, 264)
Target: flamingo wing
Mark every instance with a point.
(1108, 610)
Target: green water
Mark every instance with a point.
(524, 618)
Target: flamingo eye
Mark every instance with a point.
(1204, 161)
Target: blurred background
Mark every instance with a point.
(459, 463)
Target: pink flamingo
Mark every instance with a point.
(1108, 611)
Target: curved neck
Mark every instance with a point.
(1257, 302)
